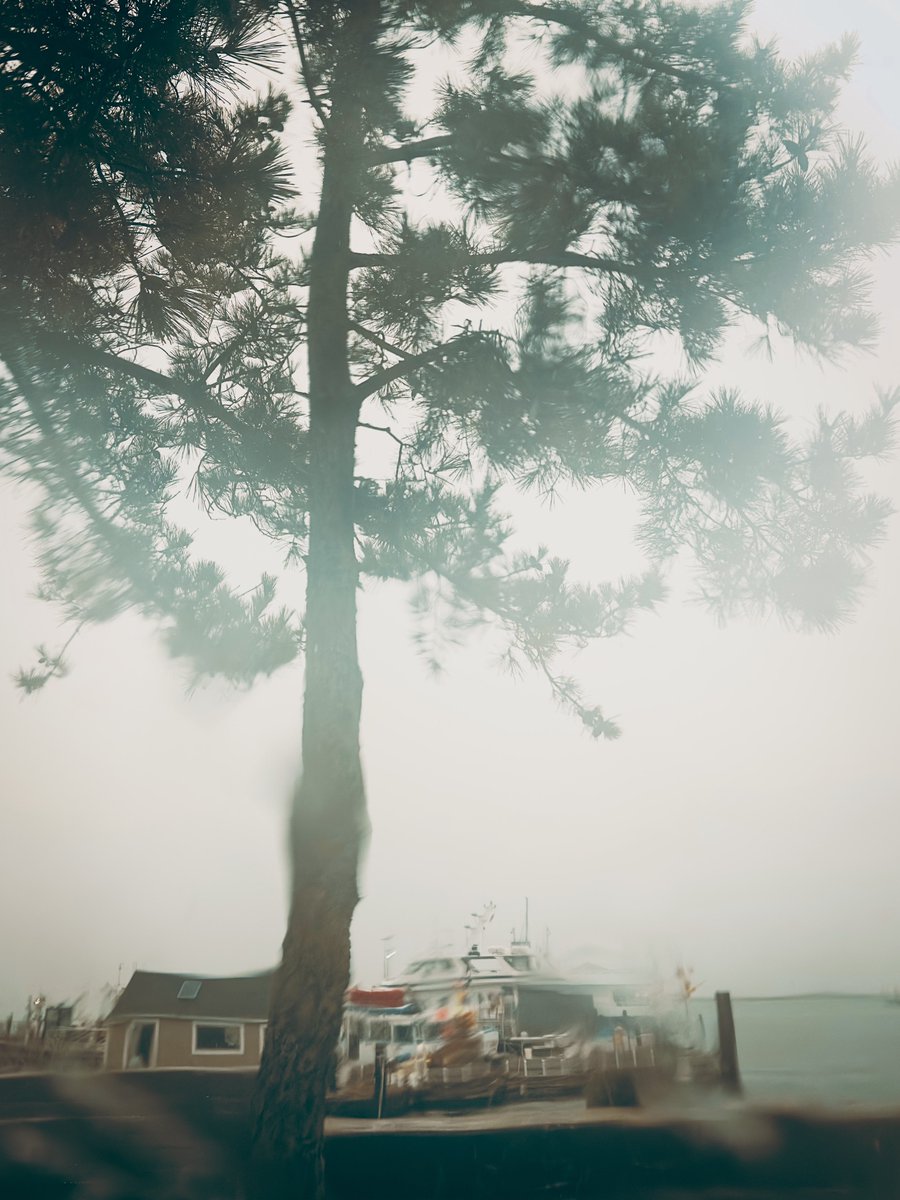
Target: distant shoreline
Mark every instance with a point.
(816, 996)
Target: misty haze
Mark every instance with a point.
(448, 461)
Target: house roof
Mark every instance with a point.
(155, 994)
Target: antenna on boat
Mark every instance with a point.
(482, 920)
(387, 955)
(526, 918)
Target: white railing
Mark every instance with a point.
(552, 1065)
(461, 1074)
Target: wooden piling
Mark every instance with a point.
(728, 1055)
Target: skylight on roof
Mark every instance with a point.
(189, 990)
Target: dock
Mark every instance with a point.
(186, 1133)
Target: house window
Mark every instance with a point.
(218, 1038)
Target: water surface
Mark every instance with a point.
(822, 1050)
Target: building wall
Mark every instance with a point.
(115, 1046)
(174, 1046)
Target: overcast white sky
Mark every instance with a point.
(747, 823)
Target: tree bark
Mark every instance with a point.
(328, 818)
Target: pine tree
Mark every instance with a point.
(617, 175)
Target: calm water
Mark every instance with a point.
(819, 1050)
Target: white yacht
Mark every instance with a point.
(510, 987)
(517, 990)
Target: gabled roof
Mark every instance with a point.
(155, 994)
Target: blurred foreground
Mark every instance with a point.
(177, 1135)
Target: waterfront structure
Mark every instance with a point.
(174, 1020)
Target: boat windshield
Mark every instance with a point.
(430, 966)
(487, 964)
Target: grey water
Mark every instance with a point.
(829, 1051)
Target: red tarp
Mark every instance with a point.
(377, 997)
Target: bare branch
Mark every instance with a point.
(380, 379)
(384, 429)
(378, 341)
(425, 148)
(304, 65)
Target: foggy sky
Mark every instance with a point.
(746, 824)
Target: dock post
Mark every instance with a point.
(380, 1078)
(728, 1056)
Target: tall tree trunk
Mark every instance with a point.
(328, 818)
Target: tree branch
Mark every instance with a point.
(195, 395)
(304, 65)
(384, 429)
(378, 341)
(78, 489)
(374, 383)
(401, 444)
(562, 258)
(425, 148)
(54, 665)
(571, 19)
(537, 655)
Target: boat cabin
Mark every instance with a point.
(378, 1017)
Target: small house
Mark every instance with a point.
(165, 1020)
